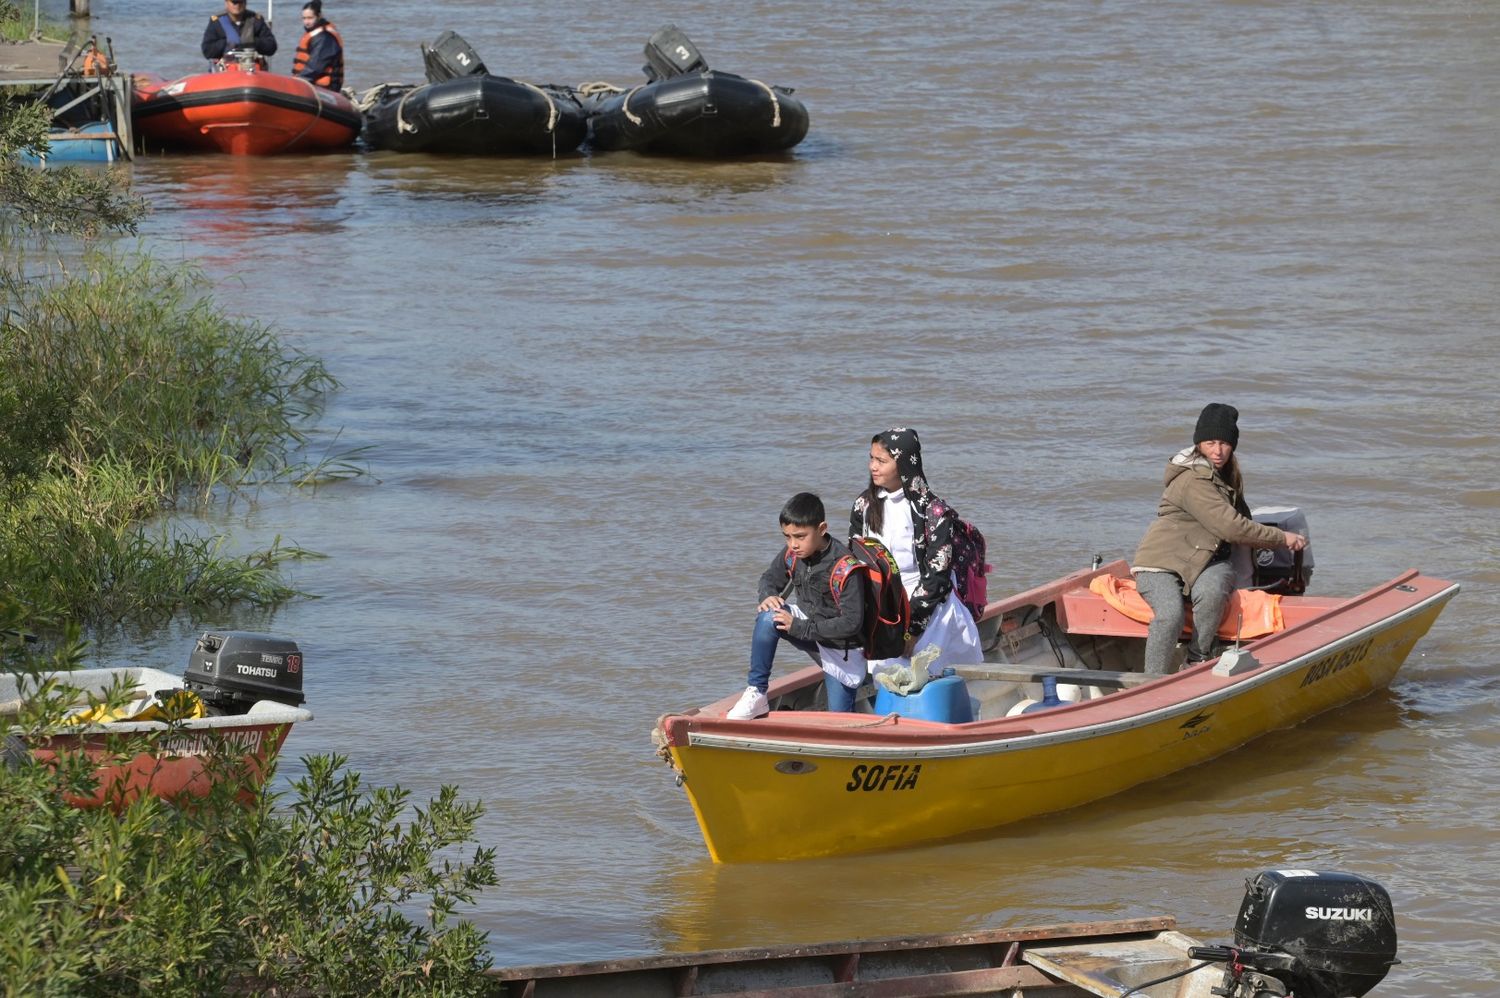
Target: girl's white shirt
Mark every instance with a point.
(899, 535)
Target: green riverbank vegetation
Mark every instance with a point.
(17, 25)
(126, 393)
(240, 893)
(126, 396)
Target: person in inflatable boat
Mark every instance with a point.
(320, 54)
(798, 605)
(238, 28)
(900, 510)
(1185, 554)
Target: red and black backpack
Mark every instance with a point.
(887, 612)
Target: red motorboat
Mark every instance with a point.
(242, 110)
(173, 737)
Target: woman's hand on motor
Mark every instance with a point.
(1295, 542)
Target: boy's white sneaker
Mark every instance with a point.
(752, 703)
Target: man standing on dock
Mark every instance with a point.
(238, 28)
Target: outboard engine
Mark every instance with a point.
(1308, 935)
(1278, 570)
(231, 670)
(671, 53)
(450, 57)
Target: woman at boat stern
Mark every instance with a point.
(1185, 554)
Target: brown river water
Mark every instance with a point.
(1044, 234)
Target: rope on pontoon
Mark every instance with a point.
(401, 123)
(635, 119)
(598, 87)
(374, 95)
(552, 113)
(317, 103)
(775, 104)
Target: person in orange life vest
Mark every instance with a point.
(238, 28)
(1185, 554)
(320, 55)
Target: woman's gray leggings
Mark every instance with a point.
(1162, 591)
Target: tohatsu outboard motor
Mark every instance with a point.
(1306, 934)
(231, 670)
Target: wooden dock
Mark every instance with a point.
(50, 69)
(31, 60)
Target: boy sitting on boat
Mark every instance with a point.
(798, 604)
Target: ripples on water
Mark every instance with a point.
(1044, 234)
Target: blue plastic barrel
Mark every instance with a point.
(945, 699)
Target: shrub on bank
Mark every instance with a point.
(124, 391)
(243, 892)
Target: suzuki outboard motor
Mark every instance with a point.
(231, 670)
(1278, 570)
(1307, 934)
(450, 57)
(671, 53)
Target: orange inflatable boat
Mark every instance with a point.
(244, 111)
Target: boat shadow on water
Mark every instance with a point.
(244, 199)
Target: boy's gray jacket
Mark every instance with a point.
(833, 623)
(1199, 510)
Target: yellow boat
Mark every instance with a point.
(803, 782)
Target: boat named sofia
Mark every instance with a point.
(1058, 714)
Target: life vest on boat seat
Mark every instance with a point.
(163, 705)
(333, 76)
(1251, 613)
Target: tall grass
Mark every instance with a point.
(125, 391)
(17, 25)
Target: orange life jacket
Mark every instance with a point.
(95, 63)
(333, 77)
(1251, 613)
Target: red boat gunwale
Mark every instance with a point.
(1297, 646)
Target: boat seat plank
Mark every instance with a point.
(1112, 968)
(1083, 611)
(983, 981)
(999, 672)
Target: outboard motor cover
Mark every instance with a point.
(671, 53)
(450, 57)
(231, 670)
(1338, 928)
(1277, 569)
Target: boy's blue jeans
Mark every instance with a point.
(763, 654)
(763, 648)
(840, 697)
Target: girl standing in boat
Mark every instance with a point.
(898, 509)
(1185, 553)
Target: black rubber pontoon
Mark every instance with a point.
(687, 109)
